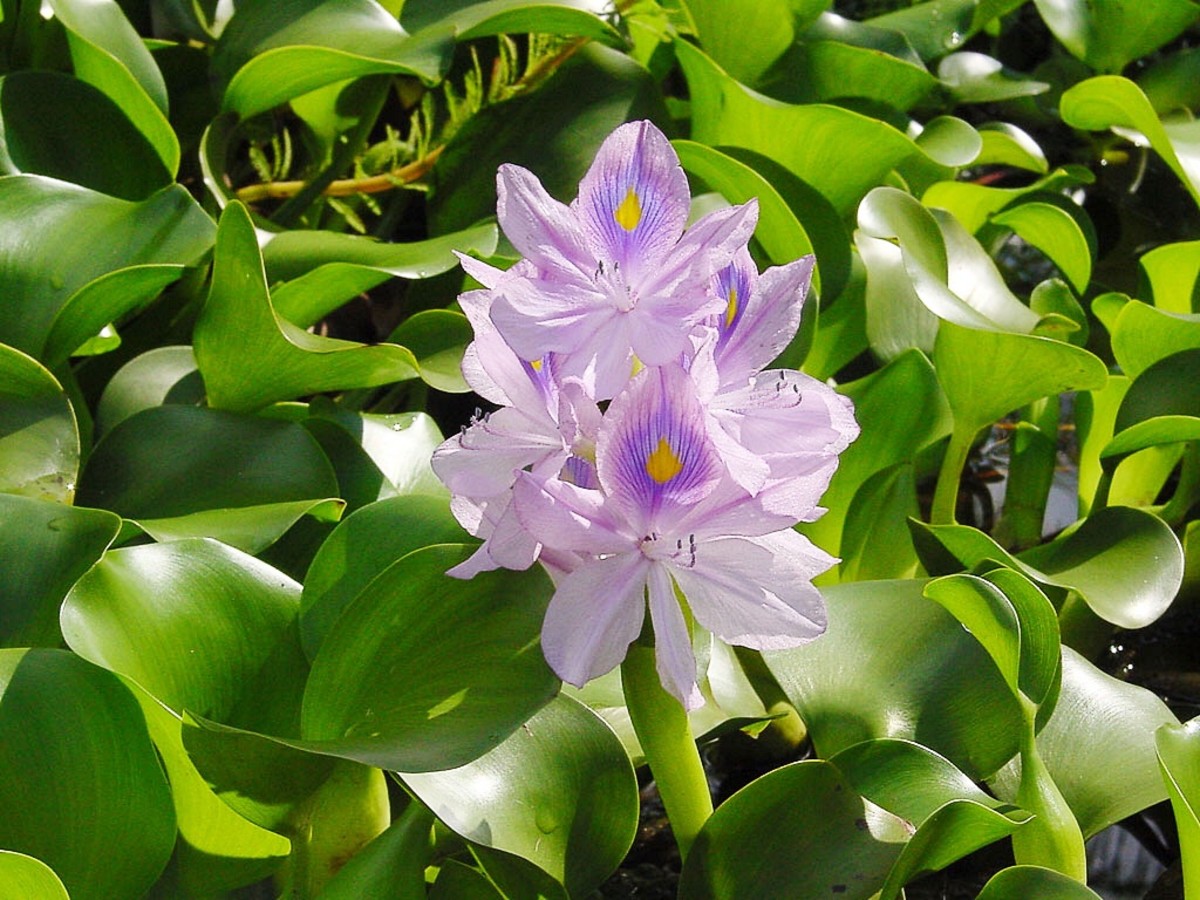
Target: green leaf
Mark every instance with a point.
(816, 70)
(746, 39)
(559, 792)
(39, 439)
(1170, 273)
(47, 547)
(456, 881)
(181, 471)
(900, 410)
(554, 132)
(40, 271)
(363, 546)
(1177, 757)
(437, 338)
(988, 374)
(1020, 882)
(797, 832)
(76, 768)
(951, 816)
(470, 19)
(1055, 233)
(321, 270)
(974, 204)
(876, 544)
(1109, 101)
(1100, 725)
(48, 124)
(779, 231)
(1170, 81)
(726, 113)
(1006, 144)
(939, 26)
(269, 54)
(27, 878)
(250, 356)
(100, 302)
(392, 865)
(399, 688)
(1109, 36)
(978, 78)
(157, 377)
(108, 53)
(1142, 335)
(934, 684)
(1124, 562)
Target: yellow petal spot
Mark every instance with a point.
(629, 213)
(662, 465)
(536, 365)
(732, 308)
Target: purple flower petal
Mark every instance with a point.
(762, 314)
(633, 202)
(593, 617)
(757, 592)
(545, 231)
(653, 454)
(537, 317)
(673, 656)
(566, 517)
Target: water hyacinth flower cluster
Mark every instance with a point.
(642, 450)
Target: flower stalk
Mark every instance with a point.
(344, 187)
(662, 728)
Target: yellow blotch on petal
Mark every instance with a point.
(662, 465)
(536, 365)
(732, 309)
(629, 213)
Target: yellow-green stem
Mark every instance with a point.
(661, 725)
(345, 187)
(945, 497)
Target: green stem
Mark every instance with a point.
(661, 725)
(1052, 839)
(945, 497)
(1187, 492)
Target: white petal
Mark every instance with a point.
(594, 616)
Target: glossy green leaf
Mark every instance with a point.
(1161, 406)
(182, 471)
(405, 690)
(1056, 234)
(1142, 335)
(269, 54)
(157, 377)
(1020, 882)
(876, 544)
(47, 547)
(1006, 144)
(1178, 753)
(559, 792)
(363, 546)
(1100, 726)
(988, 374)
(99, 302)
(1109, 36)
(951, 275)
(456, 881)
(978, 78)
(940, 26)
(1170, 82)
(437, 339)
(900, 410)
(554, 133)
(747, 39)
(1171, 272)
(834, 71)
(1109, 101)
(39, 271)
(322, 270)
(1126, 563)
(781, 234)
(76, 768)
(217, 850)
(27, 878)
(470, 19)
(950, 815)
(108, 53)
(250, 356)
(39, 440)
(934, 685)
(392, 865)
(974, 204)
(48, 122)
(727, 113)
(799, 831)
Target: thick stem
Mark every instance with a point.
(346, 187)
(661, 725)
(945, 497)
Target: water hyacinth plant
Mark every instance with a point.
(437, 436)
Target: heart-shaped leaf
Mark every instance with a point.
(1108, 36)
(39, 440)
